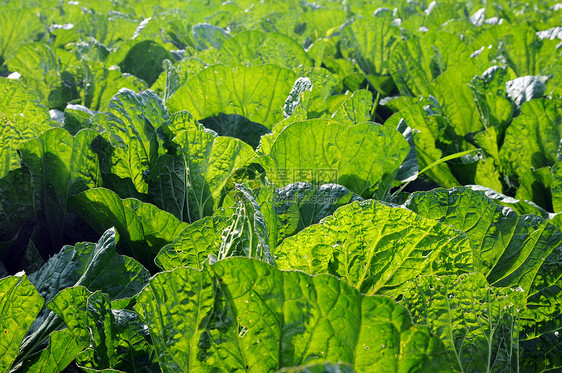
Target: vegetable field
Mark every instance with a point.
(280, 186)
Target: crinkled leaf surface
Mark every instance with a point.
(194, 244)
(369, 40)
(363, 158)
(512, 251)
(20, 305)
(300, 205)
(62, 350)
(19, 100)
(257, 47)
(375, 247)
(19, 25)
(247, 235)
(532, 140)
(479, 323)
(131, 125)
(355, 109)
(255, 92)
(205, 163)
(95, 266)
(61, 166)
(143, 228)
(245, 315)
(119, 340)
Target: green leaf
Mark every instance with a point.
(505, 246)
(62, 350)
(321, 152)
(489, 92)
(257, 48)
(13, 132)
(206, 36)
(355, 109)
(531, 141)
(19, 25)
(479, 323)
(61, 166)
(103, 83)
(255, 92)
(415, 62)
(93, 266)
(51, 72)
(20, 305)
(245, 315)
(433, 139)
(320, 368)
(511, 251)
(144, 228)
(119, 340)
(19, 100)
(370, 40)
(300, 205)
(247, 235)
(375, 247)
(144, 60)
(17, 214)
(209, 162)
(455, 95)
(194, 244)
(71, 305)
(131, 125)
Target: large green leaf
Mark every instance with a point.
(19, 100)
(131, 125)
(300, 205)
(531, 142)
(479, 323)
(144, 228)
(62, 350)
(255, 92)
(13, 132)
(245, 315)
(355, 109)
(144, 60)
(193, 246)
(93, 266)
(415, 62)
(257, 47)
(18, 215)
(103, 83)
(511, 251)
(191, 183)
(61, 166)
(501, 240)
(370, 40)
(375, 247)
(119, 340)
(19, 25)
(363, 158)
(19, 304)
